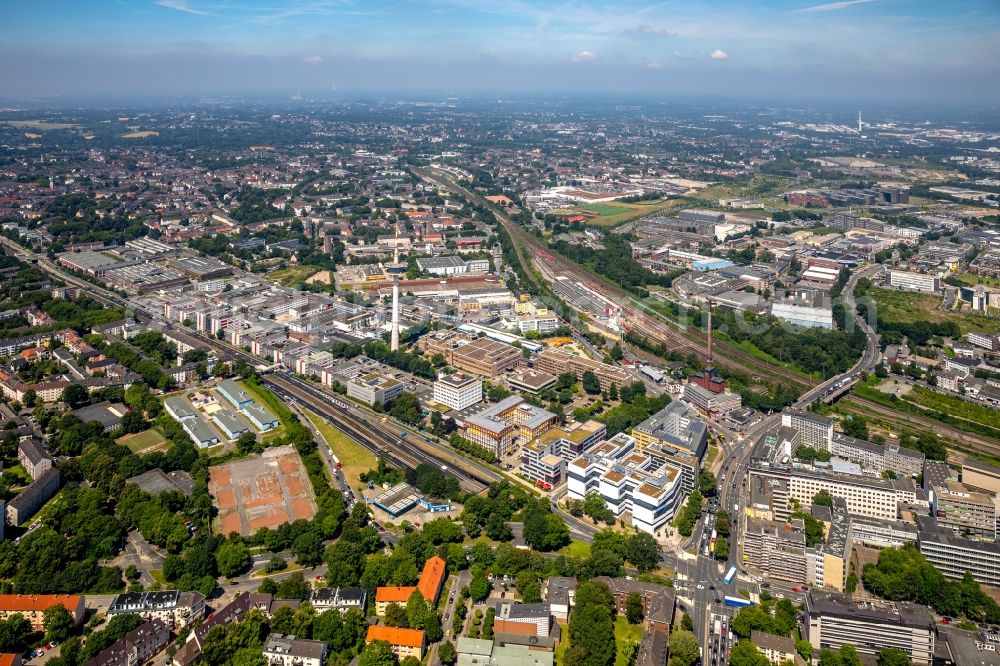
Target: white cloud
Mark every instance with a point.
(654, 65)
(647, 29)
(832, 6)
(718, 54)
(585, 56)
(181, 6)
(312, 59)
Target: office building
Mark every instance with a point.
(556, 362)
(834, 619)
(32, 607)
(777, 485)
(544, 459)
(909, 281)
(977, 474)
(675, 426)
(629, 480)
(458, 391)
(814, 431)
(878, 458)
(478, 356)
(880, 533)
(964, 511)
(953, 555)
(496, 427)
(374, 387)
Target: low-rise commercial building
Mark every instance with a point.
(716, 404)
(478, 356)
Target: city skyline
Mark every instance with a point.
(877, 50)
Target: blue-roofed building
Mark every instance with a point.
(711, 264)
(234, 393)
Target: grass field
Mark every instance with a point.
(908, 307)
(354, 458)
(955, 406)
(625, 633)
(144, 442)
(611, 215)
(291, 276)
(973, 280)
(575, 548)
(268, 399)
(145, 134)
(38, 124)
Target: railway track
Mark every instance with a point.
(967, 441)
(691, 342)
(400, 451)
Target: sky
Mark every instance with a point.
(920, 51)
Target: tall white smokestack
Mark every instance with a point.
(395, 269)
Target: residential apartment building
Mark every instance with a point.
(175, 609)
(134, 648)
(657, 601)
(338, 598)
(429, 585)
(629, 480)
(33, 606)
(281, 650)
(834, 619)
(556, 362)
(34, 496)
(234, 611)
(374, 387)
(458, 391)
(404, 642)
(523, 619)
(777, 649)
(33, 457)
(910, 281)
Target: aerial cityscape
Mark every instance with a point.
(401, 333)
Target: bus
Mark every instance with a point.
(730, 576)
(738, 602)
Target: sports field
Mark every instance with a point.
(264, 491)
(144, 442)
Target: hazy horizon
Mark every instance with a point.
(880, 51)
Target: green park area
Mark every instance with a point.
(908, 307)
(354, 458)
(613, 214)
(147, 441)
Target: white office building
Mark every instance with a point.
(458, 391)
(910, 281)
(628, 480)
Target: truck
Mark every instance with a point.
(718, 627)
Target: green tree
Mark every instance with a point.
(746, 654)
(823, 498)
(58, 623)
(683, 648)
(479, 588)
(447, 653)
(377, 653)
(849, 655)
(75, 395)
(591, 384)
(706, 483)
(396, 616)
(722, 548)
(246, 442)
(804, 648)
(417, 611)
(893, 657)
(232, 559)
(643, 551)
(633, 608)
(687, 623)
